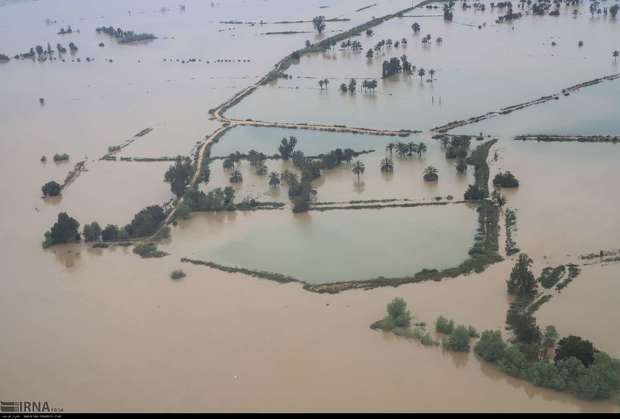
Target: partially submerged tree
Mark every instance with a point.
(319, 23)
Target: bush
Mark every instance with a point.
(545, 374)
(473, 333)
(505, 180)
(51, 189)
(177, 274)
(474, 193)
(398, 313)
(444, 326)
(183, 211)
(148, 250)
(458, 340)
(491, 346)
(61, 157)
(513, 362)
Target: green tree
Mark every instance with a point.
(358, 169)
(274, 180)
(146, 222)
(513, 362)
(51, 189)
(442, 325)
(179, 175)
(420, 149)
(615, 54)
(387, 165)
(574, 346)
(421, 73)
(64, 230)
(398, 313)
(319, 23)
(236, 177)
(522, 282)
(491, 346)
(431, 174)
(110, 233)
(415, 27)
(458, 340)
(183, 211)
(92, 232)
(286, 147)
(550, 338)
(545, 374)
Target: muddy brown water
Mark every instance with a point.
(103, 330)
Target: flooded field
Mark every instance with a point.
(516, 55)
(340, 184)
(104, 330)
(414, 239)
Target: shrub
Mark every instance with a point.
(177, 274)
(183, 211)
(491, 346)
(505, 180)
(545, 374)
(474, 193)
(61, 157)
(148, 250)
(444, 326)
(513, 362)
(458, 340)
(398, 313)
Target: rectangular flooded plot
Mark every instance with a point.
(589, 111)
(333, 246)
(340, 184)
(566, 202)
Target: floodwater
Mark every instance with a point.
(103, 330)
(345, 242)
(477, 70)
(340, 184)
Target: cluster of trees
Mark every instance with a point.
(64, 31)
(505, 180)
(404, 150)
(179, 175)
(323, 82)
(352, 86)
(354, 45)
(457, 338)
(576, 366)
(51, 188)
(43, 54)
(144, 224)
(218, 199)
(125, 36)
(4, 58)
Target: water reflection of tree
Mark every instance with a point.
(359, 186)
